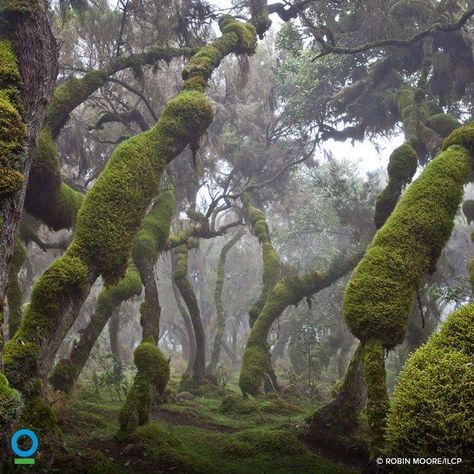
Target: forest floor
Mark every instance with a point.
(205, 432)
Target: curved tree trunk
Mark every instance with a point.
(289, 291)
(190, 343)
(334, 423)
(187, 293)
(153, 371)
(220, 313)
(112, 212)
(114, 329)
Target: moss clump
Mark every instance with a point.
(153, 375)
(463, 136)
(401, 169)
(233, 404)
(64, 375)
(10, 404)
(14, 294)
(253, 368)
(164, 447)
(277, 441)
(468, 210)
(378, 297)
(432, 407)
(442, 124)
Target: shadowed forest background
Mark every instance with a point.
(237, 237)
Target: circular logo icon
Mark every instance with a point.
(20, 452)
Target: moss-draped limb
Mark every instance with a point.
(334, 423)
(379, 295)
(113, 210)
(67, 371)
(287, 292)
(48, 198)
(220, 313)
(14, 295)
(150, 379)
(185, 288)
(432, 407)
(401, 169)
(270, 260)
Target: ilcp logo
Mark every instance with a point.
(24, 455)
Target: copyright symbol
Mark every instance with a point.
(379, 461)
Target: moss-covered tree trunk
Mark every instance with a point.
(153, 370)
(28, 68)
(289, 291)
(335, 423)
(189, 343)
(114, 330)
(379, 295)
(187, 293)
(220, 312)
(112, 212)
(67, 371)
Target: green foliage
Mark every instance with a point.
(378, 297)
(432, 407)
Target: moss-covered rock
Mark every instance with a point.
(432, 407)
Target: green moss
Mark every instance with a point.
(379, 295)
(276, 441)
(463, 136)
(14, 293)
(401, 169)
(253, 367)
(150, 240)
(377, 398)
(442, 124)
(468, 210)
(12, 127)
(153, 375)
(63, 280)
(10, 404)
(432, 407)
(64, 375)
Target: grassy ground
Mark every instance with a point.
(208, 433)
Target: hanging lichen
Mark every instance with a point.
(379, 296)
(14, 294)
(432, 408)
